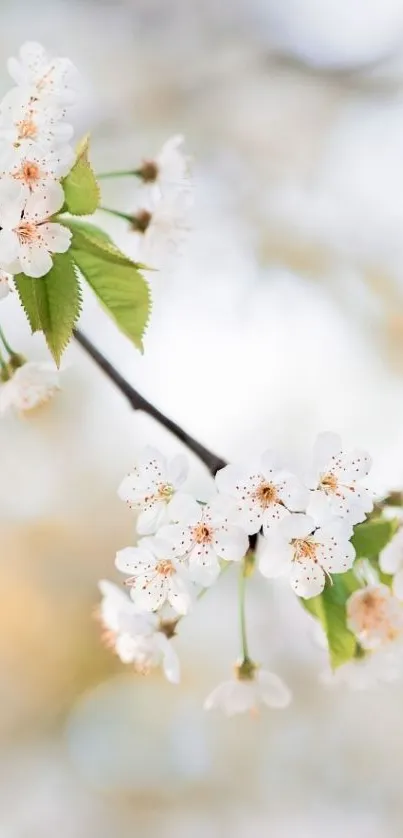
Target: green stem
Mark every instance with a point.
(242, 617)
(128, 173)
(4, 372)
(6, 344)
(118, 214)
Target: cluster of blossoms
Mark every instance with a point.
(303, 528)
(35, 155)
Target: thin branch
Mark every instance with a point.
(138, 402)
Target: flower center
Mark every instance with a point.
(329, 483)
(202, 534)
(27, 129)
(165, 568)
(266, 495)
(29, 172)
(304, 549)
(27, 233)
(141, 221)
(148, 171)
(374, 614)
(165, 491)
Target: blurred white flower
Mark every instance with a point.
(154, 577)
(366, 672)
(334, 477)
(246, 693)
(391, 561)
(4, 285)
(169, 171)
(35, 169)
(306, 553)
(264, 492)
(162, 227)
(374, 615)
(26, 234)
(43, 75)
(135, 637)
(31, 385)
(151, 486)
(204, 534)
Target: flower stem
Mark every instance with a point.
(6, 344)
(242, 616)
(117, 214)
(127, 173)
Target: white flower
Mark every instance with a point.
(154, 577)
(23, 122)
(151, 486)
(54, 78)
(162, 227)
(4, 285)
(391, 561)
(246, 693)
(204, 534)
(264, 493)
(365, 673)
(35, 169)
(306, 553)
(334, 480)
(26, 234)
(31, 385)
(374, 615)
(119, 614)
(134, 636)
(169, 171)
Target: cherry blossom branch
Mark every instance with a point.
(138, 402)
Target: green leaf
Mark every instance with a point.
(86, 227)
(372, 536)
(330, 609)
(52, 303)
(81, 190)
(116, 281)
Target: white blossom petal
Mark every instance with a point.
(35, 260)
(272, 689)
(307, 578)
(231, 543)
(185, 509)
(149, 520)
(134, 561)
(232, 697)
(179, 595)
(398, 585)
(170, 660)
(276, 557)
(204, 567)
(56, 237)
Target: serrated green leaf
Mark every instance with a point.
(81, 190)
(330, 609)
(86, 227)
(52, 303)
(116, 281)
(371, 537)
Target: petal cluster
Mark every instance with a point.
(31, 385)
(136, 637)
(35, 155)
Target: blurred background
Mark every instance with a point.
(283, 318)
